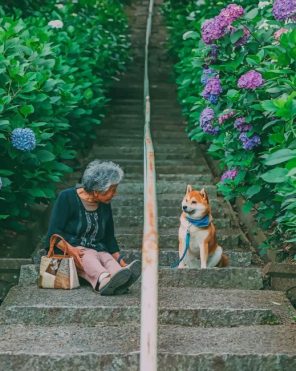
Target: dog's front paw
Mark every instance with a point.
(203, 267)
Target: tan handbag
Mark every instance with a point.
(58, 271)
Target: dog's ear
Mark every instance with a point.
(204, 195)
(188, 189)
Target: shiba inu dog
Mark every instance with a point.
(198, 233)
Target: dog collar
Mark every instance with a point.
(203, 222)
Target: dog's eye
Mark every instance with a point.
(194, 202)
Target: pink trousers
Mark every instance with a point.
(95, 263)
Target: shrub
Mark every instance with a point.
(252, 126)
(56, 66)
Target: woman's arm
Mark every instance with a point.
(110, 240)
(59, 217)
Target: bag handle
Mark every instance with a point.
(53, 240)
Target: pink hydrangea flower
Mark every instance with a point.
(279, 33)
(225, 116)
(229, 174)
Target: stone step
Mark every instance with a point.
(171, 199)
(237, 258)
(170, 189)
(116, 124)
(135, 222)
(138, 149)
(138, 133)
(222, 278)
(177, 163)
(123, 108)
(171, 210)
(203, 174)
(104, 155)
(177, 306)
(168, 238)
(117, 348)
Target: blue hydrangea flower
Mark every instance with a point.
(213, 98)
(206, 121)
(23, 139)
(207, 73)
(249, 142)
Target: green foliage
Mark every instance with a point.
(266, 175)
(54, 82)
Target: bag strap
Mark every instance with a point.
(52, 243)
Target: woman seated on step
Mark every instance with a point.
(83, 216)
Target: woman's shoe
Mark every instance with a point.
(135, 269)
(109, 285)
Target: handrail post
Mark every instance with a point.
(149, 290)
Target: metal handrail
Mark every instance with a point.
(149, 291)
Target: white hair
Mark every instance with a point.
(101, 175)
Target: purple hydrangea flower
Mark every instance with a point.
(225, 116)
(284, 9)
(206, 121)
(229, 174)
(231, 13)
(250, 80)
(206, 74)
(241, 126)
(249, 143)
(213, 29)
(212, 90)
(23, 139)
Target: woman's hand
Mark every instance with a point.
(116, 256)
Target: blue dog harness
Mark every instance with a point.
(201, 223)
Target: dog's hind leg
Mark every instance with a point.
(215, 258)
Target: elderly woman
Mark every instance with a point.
(83, 216)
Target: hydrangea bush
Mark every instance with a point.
(57, 63)
(251, 48)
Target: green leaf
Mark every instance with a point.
(45, 156)
(88, 94)
(190, 35)
(36, 192)
(253, 190)
(4, 172)
(2, 217)
(252, 14)
(27, 110)
(235, 36)
(277, 175)
(280, 156)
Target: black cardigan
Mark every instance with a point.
(92, 229)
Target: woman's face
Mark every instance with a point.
(107, 196)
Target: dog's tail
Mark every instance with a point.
(224, 262)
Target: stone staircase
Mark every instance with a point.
(211, 319)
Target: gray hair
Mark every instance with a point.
(101, 175)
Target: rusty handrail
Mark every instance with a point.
(149, 290)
